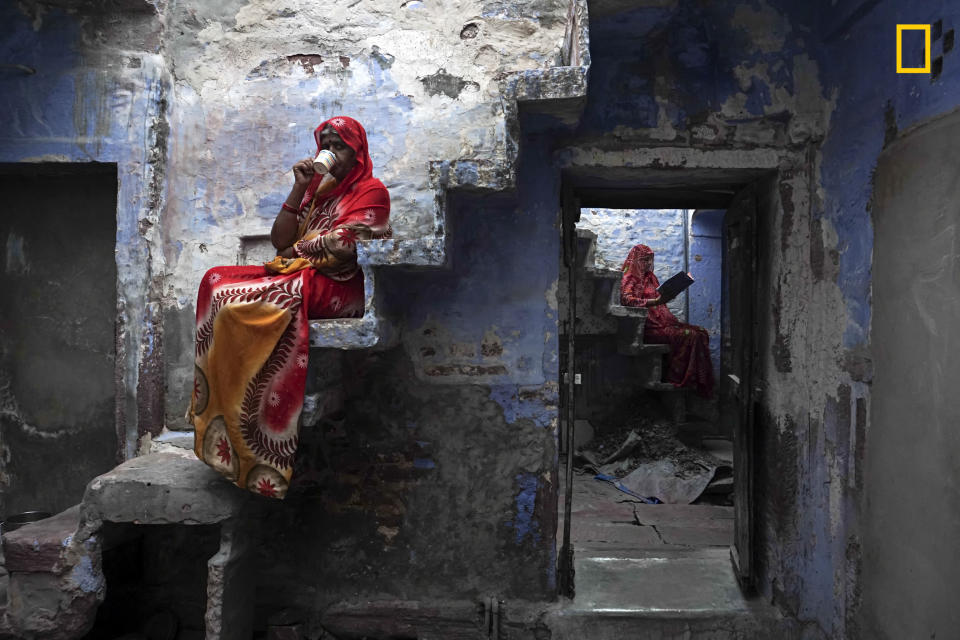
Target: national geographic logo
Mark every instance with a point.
(931, 33)
(926, 48)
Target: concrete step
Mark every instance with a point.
(175, 488)
(54, 581)
(662, 594)
(644, 350)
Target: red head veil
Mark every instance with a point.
(632, 266)
(354, 135)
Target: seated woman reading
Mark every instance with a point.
(690, 364)
(252, 332)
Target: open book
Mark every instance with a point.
(674, 286)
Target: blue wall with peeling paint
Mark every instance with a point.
(740, 75)
(98, 98)
(485, 333)
(872, 104)
(706, 267)
(619, 230)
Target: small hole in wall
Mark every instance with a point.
(948, 41)
(937, 68)
(469, 31)
(937, 29)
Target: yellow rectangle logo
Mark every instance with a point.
(926, 48)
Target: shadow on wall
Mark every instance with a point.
(59, 282)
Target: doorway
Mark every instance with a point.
(57, 331)
(654, 472)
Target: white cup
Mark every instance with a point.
(324, 161)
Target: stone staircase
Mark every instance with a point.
(559, 92)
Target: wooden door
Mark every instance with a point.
(738, 384)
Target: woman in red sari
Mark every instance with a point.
(252, 330)
(690, 364)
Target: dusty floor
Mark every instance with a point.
(605, 518)
(656, 571)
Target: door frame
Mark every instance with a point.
(655, 185)
(569, 216)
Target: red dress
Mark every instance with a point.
(690, 364)
(252, 339)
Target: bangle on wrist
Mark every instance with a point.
(286, 207)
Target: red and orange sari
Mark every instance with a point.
(252, 337)
(690, 364)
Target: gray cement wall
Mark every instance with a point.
(911, 473)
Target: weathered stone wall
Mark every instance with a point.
(204, 108)
(874, 108)
(223, 98)
(446, 486)
(696, 93)
(88, 84)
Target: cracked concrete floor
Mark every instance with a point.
(604, 517)
(631, 556)
(655, 571)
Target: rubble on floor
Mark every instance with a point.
(648, 459)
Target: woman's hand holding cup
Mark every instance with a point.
(303, 172)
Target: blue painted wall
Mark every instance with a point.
(706, 263)
(747, 76)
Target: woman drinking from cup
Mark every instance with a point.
(252, 337)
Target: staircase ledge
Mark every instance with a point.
(620, 311)
(160, 488)
(601, 272)
(646, 350)
(415, 252)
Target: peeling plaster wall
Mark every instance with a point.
(89, 85)
(872, 107)
(253, 79)
(447, 489)
(204, 108)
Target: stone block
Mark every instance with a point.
(55, 580)
(162, 488)
(39, 546)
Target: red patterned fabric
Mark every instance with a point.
(252, 339)
(334, 216)
(690, 364)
